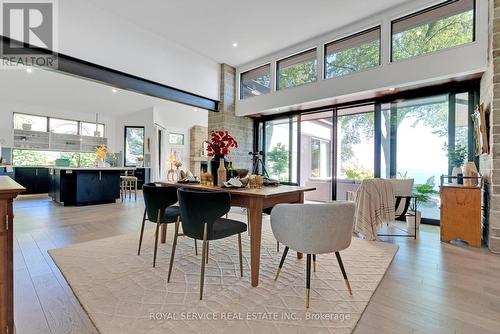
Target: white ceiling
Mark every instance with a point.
(48, 89)
(260, 27)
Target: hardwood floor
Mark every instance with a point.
(431, 287)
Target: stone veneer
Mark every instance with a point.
(490, 95)
(241, 128)
(197, 135)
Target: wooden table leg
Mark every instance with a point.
(163, 233)
(301, 200)
(255, 215)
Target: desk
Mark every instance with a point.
(9, 190)
(255, 200)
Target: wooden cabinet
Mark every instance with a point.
(461, 214)
(34, 179)
(8, 191)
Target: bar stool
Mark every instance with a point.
(128, 183)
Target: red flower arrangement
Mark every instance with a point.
(220, 143)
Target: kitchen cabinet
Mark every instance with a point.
(34, 179)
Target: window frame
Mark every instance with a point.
(125, 128)
(277, 68)
(365, 31)
(425, 10)
(249, 70)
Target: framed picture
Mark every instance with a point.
(176, 139)
(481, 143)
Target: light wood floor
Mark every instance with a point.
(430, 287)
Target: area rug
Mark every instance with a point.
(122, 293)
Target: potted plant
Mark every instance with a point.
(422, 194)
(219, 147)
(456, 156)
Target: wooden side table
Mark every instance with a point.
(9, 190)
(461, 213)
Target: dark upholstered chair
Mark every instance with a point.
(159, 209)
(201, 214)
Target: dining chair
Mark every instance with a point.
(201, 214)
(314, 229)
(160, 209)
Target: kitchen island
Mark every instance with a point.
(85, 186)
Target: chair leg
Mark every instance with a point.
(135, 190)
(339, 260)
(156, 237)
(206, 253)
(241, 254)
(308, 280)
(142, 232)
(203, 254)
(174, 244)
(314, 262)
(277, 246)
(283, 257)
(195, 247)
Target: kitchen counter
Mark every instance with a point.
(94, 168)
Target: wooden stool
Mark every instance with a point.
(128, 183)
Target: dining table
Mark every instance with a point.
(255, 200)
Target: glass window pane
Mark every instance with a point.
(48, 158)
(30, 122)
(63, 126)
(255, 82)
(280, 150)
(316, 138)
(297, 70)
(355, 148)
(91, 129)
(352, 54)
(424, 159)
(462, 120)
(134, 145)
(444, 26)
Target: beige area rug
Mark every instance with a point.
(122, 293)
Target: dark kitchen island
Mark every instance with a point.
(85, 186)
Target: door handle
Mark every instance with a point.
(100, 176)
(36, 172)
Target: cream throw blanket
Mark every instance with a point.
(374, 205)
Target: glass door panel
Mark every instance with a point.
(280, 149)
(422, 134)
(316, 139)
(355, 148)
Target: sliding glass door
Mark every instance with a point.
(333, 150)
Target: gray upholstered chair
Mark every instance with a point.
(314, 229)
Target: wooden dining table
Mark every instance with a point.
(255, 200)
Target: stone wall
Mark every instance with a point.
(241, 128)
(489, 165)
(198, 134)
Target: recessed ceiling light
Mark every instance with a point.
(114, 90)
(29, 70)
(392, 89)
(235, 45)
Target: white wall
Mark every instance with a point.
(178, 118)
(98, 36)
(462, 60)
(7, 109)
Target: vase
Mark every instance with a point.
(214, 165)
(221, 173)
(470, 170)
(454, 172)
(101, 163)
